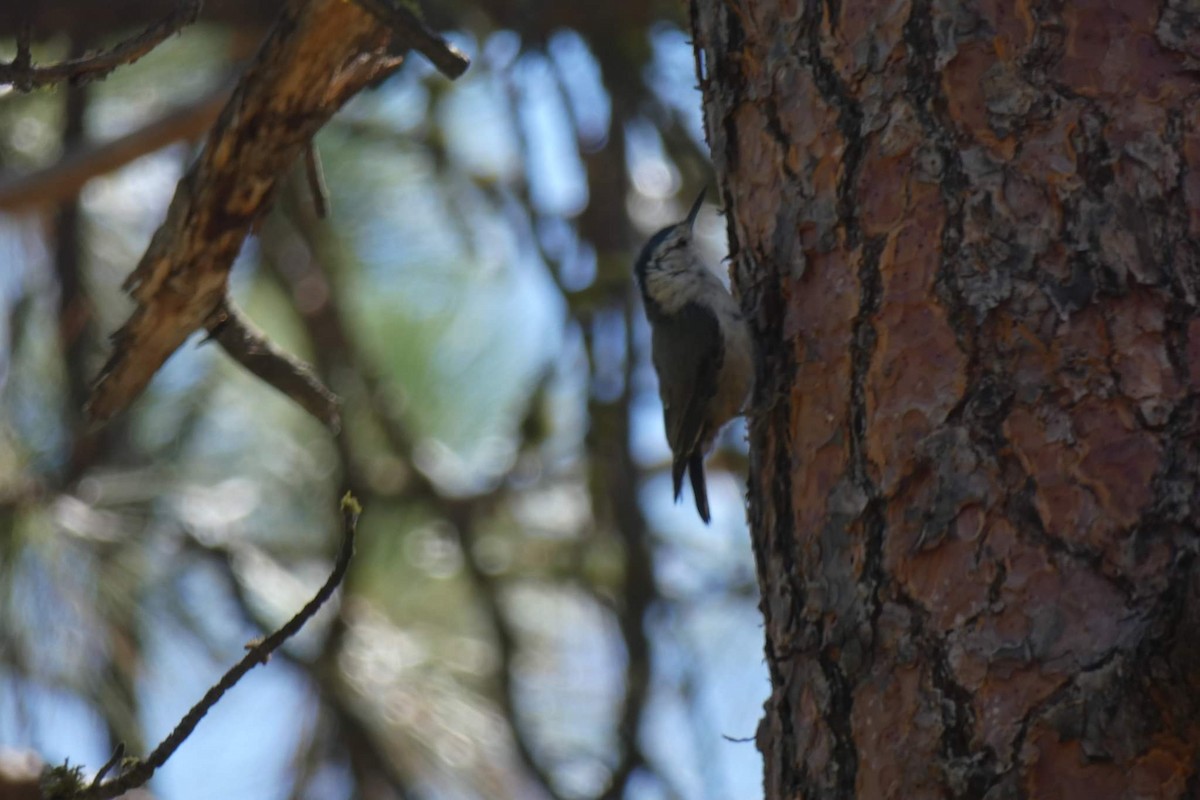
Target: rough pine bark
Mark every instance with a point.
(968, 236)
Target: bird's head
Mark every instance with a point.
(668, 251)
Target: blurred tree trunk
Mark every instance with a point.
(969, 239)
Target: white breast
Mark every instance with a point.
(736, 380)
(677, 282)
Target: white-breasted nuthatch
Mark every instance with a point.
(701, 348)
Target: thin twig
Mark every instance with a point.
(113, 760)
(414, 33)
(253, 350)
(352, 730)
(140, 773)
(316, 180)
(24, 76)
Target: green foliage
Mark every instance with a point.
(350, 504)
(62, 782)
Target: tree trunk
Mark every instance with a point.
(969, 240)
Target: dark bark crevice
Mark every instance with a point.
(873, 516)
(970, 772)
(850, 119)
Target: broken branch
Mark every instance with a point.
(316, 57)
(412, 32)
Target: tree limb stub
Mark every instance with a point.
(413, 33)
(318, 55)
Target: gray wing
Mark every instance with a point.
(686, 348)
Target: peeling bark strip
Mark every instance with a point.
(969, 240)
(319, 54)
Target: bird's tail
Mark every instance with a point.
(694, 466)
(678, 467)
(699, 488)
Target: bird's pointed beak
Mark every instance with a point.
(691, 217)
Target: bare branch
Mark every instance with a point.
(140, 773)
(415, 34)
(65, 178)
(250, 347)
(318, 55)
(354, 731)
(24, 76)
